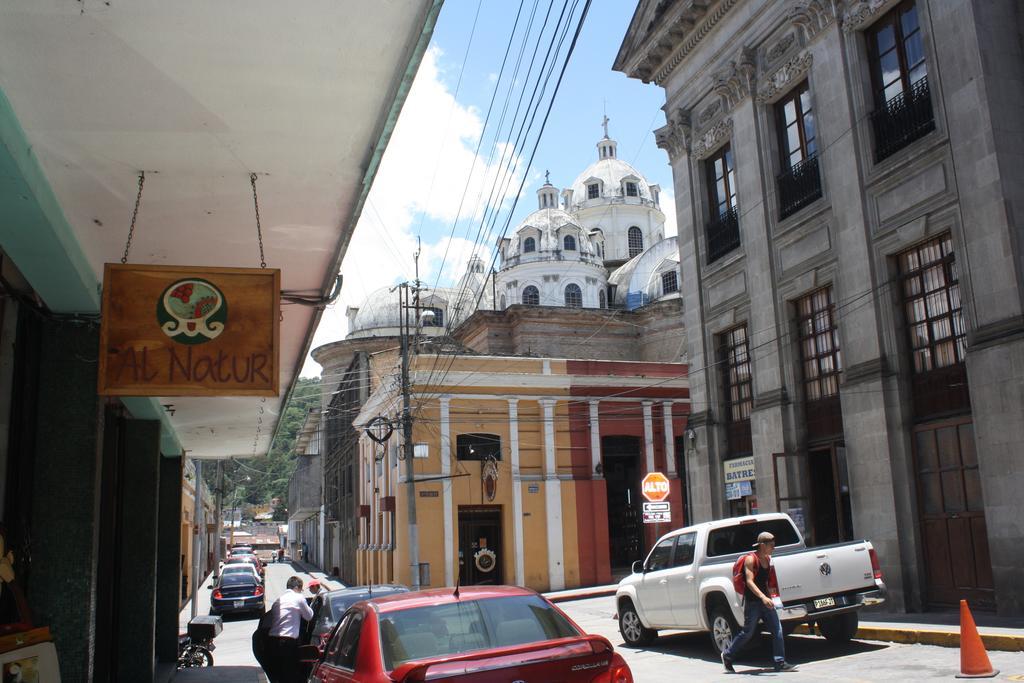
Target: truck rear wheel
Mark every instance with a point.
(840, 628)
(723, 627)
(632, 629)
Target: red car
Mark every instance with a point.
(484, 634)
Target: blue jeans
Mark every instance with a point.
(754, 611)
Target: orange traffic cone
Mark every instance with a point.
(973, 658)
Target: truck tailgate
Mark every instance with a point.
(825, 571)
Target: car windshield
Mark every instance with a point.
(341, 603)
(242, 551)
(237, 580)
(740, 538)
(238, 569)
(449, 629)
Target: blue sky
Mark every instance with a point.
(429, 179)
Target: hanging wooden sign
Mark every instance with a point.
(189, 331)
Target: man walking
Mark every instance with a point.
(758, 606)
(283, 640)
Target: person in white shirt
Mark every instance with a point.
(291, 609)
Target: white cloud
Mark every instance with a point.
(422, 178)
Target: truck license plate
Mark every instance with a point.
(822, 603)
(239, 604)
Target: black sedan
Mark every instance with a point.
(329, 607)
(234, 593)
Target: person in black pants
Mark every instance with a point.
(283, 637)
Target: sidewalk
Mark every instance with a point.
(926, 628)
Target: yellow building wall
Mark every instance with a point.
(535, 530)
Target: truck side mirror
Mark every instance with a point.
(638, 567)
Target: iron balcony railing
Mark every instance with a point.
(904, 118)
(723, 233)
(799, 186)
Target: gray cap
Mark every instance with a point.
(764, 537)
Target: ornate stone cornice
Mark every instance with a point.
(736, 81)
(780, 48)
(713, 138)
(861, 12)
(781, 81)
(690, 42)
(813, 16)
(674, 137)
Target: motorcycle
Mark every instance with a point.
(192, 654)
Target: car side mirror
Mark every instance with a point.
(638, 567)
(210, 587)
(309, 654)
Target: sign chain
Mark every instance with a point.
(135, 214)
(259, 230)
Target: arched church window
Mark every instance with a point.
(436, 321)
(573, 296)
(529, 244)
(636, 241)
(602, 299)
(569, 243)
(531, 296)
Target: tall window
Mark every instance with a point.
(899, 74)
(531, 297)
(723, 229)
(636, 241)
(529, 244)
(632, 190)
(573, 296)
(669, 282)
(721, 182)
(569, 243)
(737, 385)
(593, 191)
(602, 299)
(931, 295)
(819, 344)
(502, 305)
(437, 320)
(477, 446)
(796, 126)
(896, 52)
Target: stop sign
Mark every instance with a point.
(655, 487)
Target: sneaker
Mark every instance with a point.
(727, 663)
(784, 666)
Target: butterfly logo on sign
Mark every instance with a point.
(192, 311)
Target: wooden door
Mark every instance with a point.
(951, 513)
(480, 546)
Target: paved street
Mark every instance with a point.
(690, 656)
(234, 644)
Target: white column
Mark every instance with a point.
(595, 441)
(670, 439)
(517, 490)
(553, 501)
(649, 435)
(446, 492)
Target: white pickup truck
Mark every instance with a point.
(686, 582)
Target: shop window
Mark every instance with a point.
(737, 386)
(819, 344)
(477, 446)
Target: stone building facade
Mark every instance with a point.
(849, 177)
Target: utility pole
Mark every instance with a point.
(219, 515)
(197, 537)
(407, 444)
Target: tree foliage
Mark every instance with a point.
(258, 481)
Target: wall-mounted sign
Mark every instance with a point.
(533, 488)
(657, 513)
(738, 489)
(429, 494)
(739, 469)
(189, 331)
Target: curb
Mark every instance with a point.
(992, 641)
(582, 596)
